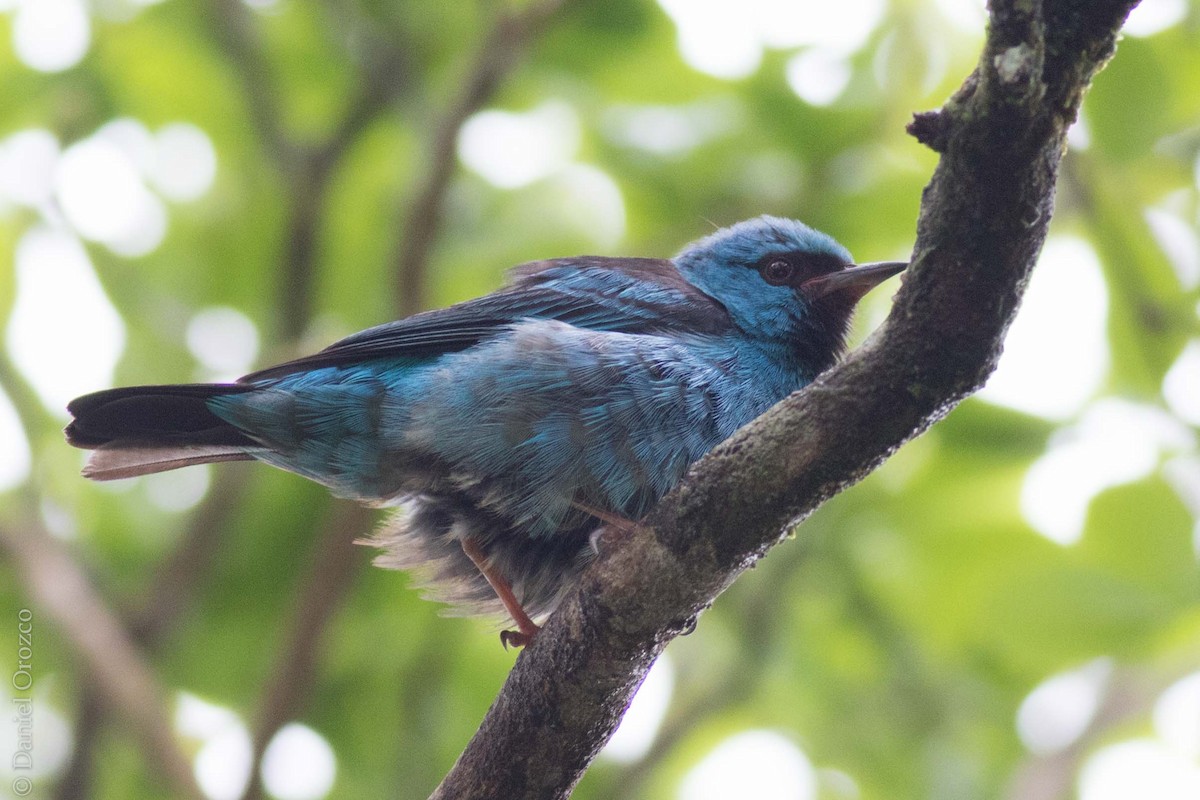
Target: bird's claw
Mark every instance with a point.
(517, 638)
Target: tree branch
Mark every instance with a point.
(331, 571)
(737, 681)
(121, 677)
(168, 597)
(233, 28)
(983, 220)
(333, 565)
(499, 53)
(306, 169)
(24, 400)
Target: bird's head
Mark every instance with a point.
(782, 281)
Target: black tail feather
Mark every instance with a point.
(153, 415)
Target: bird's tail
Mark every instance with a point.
(144, 429)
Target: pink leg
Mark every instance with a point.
(526, 629)
(613, 521)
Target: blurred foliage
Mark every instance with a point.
(893, 641)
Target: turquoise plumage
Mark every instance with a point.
(513, 425)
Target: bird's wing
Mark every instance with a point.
(628, 295)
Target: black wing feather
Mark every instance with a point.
(627, 295)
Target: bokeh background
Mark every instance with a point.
(1009, 608)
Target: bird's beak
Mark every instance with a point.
(853, 282)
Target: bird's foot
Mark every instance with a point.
(526, 628)
(521, 638)
(610, 520)
(615, 527)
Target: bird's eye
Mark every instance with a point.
(778, 273)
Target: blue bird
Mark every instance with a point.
(516, 425)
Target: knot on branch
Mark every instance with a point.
(930, 128)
